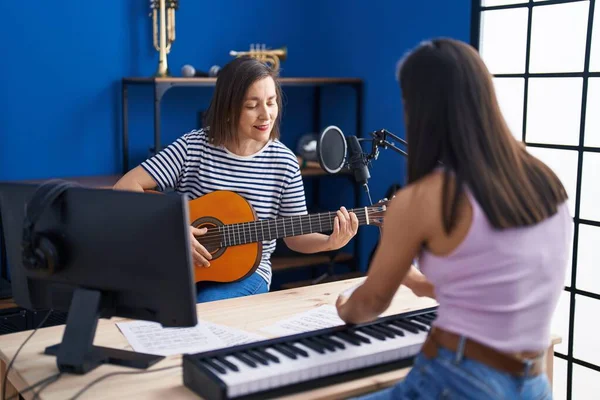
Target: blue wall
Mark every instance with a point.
(63, 63)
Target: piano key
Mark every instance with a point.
(352, 332)
(297, 350)
(303, 358)
(318, 364)
(371, 332)
(336, 342)
(227, 363)
(406, 326)
(324, 343)
(383, 331)
(245, 360)
(257, 357)
(430, 316)
(416, 325)
(267, 355)
(392, 328)
(312, 345)
(423, 320)
(285, 351)
(214, 365)
(421, 325)
(352, 340)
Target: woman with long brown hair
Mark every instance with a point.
(489, 226)
(239, 149)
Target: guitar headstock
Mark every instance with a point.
(377, 212)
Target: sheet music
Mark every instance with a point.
(230, 336)
(152, 338)
(321, 317)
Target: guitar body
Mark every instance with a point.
(229, 264)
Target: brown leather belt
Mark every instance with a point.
(484, 354)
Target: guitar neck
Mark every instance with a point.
(265, 230)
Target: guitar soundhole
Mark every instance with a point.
(212, 239)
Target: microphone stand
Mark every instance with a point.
(380, 139)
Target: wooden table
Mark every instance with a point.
(249, 313)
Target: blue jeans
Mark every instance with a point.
(449, 376)
(212, 291)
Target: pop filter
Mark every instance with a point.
(331, 149)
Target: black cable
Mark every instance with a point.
(18, 351)
(48, 382)
(92, 383)
(52, 378)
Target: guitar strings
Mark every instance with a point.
(360, 212)
(218, 235)
(241, 228)
(281, 222)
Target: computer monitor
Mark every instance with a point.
(121, 254)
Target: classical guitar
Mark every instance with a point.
(234, 234)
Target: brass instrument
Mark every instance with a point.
(270, 57)
(163, 13)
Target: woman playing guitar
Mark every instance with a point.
(239, 150)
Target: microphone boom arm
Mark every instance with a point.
(380, 140)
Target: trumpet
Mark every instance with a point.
(163, 14)
(272, 58)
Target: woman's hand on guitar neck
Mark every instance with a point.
(345, 226)
(199, 253)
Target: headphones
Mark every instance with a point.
(41, 250)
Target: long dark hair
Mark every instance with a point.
(234, 79)
(453, 120)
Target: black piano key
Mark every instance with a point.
(397, 332)
(374, 334)
(267, 355)
(285, 351)
(312, 345)
(424, 327)
(228, 364)
(254, 355)
(429, 316)
(423, 320)
(297, 350)
(347, 338)
(383, 330)
(324, 343)
(406, 326)
(336, 342)
(245, 360)
(214, 365)
(355, 334)
(415, 325)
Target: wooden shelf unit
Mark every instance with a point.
(162, 85)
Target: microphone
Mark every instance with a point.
(332, 147)
(357, 161)
(191, 72)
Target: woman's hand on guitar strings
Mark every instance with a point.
(199, 253)
(345, 226)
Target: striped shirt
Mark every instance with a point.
(269, 180)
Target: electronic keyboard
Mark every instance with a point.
(304, 361)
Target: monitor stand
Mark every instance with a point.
(76, 353)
